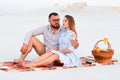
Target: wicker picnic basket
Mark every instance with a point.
(103, 56)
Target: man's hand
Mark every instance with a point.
(75, 43)
(24, 48)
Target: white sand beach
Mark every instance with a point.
(93, 23)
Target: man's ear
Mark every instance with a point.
(49, 20)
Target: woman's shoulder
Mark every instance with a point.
(71, 32)
(73, 35)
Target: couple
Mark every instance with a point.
(59, 43)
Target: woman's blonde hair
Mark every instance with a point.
(71, 23)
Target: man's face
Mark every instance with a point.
(54, 21)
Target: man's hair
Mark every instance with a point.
(53, 13)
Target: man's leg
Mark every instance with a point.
(37, 45)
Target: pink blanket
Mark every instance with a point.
(87, 61)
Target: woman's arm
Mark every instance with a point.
(65, 51)
(74, 41)
(70, 46)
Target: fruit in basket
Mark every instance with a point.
(105, 40)
(98, 49)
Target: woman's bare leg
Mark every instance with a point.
(41, 58)
(36, 44)
(46, 61)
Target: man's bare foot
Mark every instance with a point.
(2, 63)
(18, 61)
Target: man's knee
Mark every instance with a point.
(33, 38)
(42, 50)
(38, 46)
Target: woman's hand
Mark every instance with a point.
(75, 43)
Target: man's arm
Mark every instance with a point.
(32, 33)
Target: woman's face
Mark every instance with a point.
(65, 23)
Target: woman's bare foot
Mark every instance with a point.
(31, 65)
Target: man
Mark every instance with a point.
(50, 34)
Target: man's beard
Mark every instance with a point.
(55, 27)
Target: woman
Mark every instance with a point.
(66, 52)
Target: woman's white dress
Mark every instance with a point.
(68, 59)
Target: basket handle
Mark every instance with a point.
(109, 46)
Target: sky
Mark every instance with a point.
(11, 3)
(23, 5)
